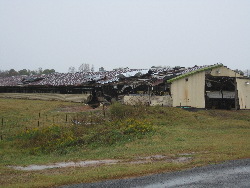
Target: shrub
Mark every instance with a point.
(133, 126)
(117, 132)
(58, 138)
(47, 139)
(119, 111)
(103, 137)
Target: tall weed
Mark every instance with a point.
(119, 111)
(47, 139)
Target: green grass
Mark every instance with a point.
(209, 136)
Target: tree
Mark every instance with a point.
(92, 68)
(49, 71)
(33, 72)
(23, 72)
(101, 69)
(12, 72)
(84, 68)
(40, 70)
(72, 70)
(239, 71)
(4, 73)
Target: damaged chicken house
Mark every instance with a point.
(210, 86)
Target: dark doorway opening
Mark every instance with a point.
(220, 92)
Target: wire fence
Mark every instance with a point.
(12, 126)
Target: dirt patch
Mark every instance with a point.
(167, 158)
(66, 164)
(139, 160)
(154, 157)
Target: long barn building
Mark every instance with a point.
(212, 86)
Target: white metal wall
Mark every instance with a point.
(243, 93)
(189, 91)
(224, 71)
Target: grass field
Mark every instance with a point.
(43, 132)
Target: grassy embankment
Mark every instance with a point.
(125, 133)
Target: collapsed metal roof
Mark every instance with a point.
(153, 76)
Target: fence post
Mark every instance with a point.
(91, 119)
(38, 123)
(66, 118)
(2, 121)
(103, 109)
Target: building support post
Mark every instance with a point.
(236, 94)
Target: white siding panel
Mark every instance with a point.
(189, 91)
(224, 71)
(243, 93)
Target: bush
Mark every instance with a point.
(119, 111)
(133, 126)
(47, 139)
(59, 139)
(104, 137)
(118, 132)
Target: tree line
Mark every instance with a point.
(82, 68)
(13, 72)
(85, 67)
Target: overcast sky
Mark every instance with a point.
(57, 34)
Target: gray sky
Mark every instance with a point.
(123, 33)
